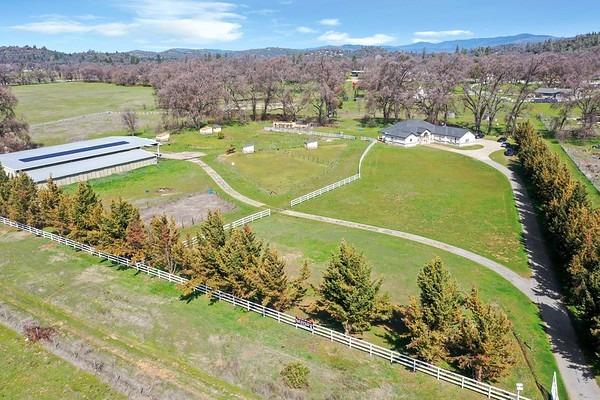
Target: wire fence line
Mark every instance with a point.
(310, 132)
(410, 363)
(235, 224)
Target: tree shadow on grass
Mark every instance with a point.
(393, 332)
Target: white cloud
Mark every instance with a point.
(339, 38)
(329, 22)
(62, 25)
(436, 36)
(305, 29)
(189, 21)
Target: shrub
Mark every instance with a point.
(295, 375)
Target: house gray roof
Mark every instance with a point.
(70, 152)
(551, 91)
(404, 129)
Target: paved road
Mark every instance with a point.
(575, 372)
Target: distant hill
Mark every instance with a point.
(470, 44)
(29, 55)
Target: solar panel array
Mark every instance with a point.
(73, 151)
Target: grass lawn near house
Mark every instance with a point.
(28, 371)
(501, 159)
(54, 101)
(198, 343)
(435, 194)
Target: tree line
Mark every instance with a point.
(443, 324)
(574, 225)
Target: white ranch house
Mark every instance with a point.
(414, 132)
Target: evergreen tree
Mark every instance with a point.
(86, 214)
(212, 229)
(64, 213)
(347, 292)
(163, 248)
(483, 343)
(135, 240)
(237, 264)
(274, 289)
(49, 198)
(113, 229)
(22, 200)
(4, 191)
(430, 320)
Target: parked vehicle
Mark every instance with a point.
(504, 144)
(479, 135)
(502, 139)
(509, 152)
(596, 146)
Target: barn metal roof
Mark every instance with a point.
(70, 152)
(87, 165)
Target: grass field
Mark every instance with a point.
(201, 344)
(161, 184)
(431, 193)
(398, 262)
(27, 371)
(54, 101)
(281, 168)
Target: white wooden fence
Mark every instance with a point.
(491, 392)
(237, 223)
(325, 189)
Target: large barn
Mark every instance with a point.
(81, 161)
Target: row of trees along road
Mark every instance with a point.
(443, 325)
(574, 225)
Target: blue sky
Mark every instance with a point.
(112, 25)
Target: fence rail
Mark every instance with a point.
(237, 223)
(413, 364)
(310, 132)
(325, 189)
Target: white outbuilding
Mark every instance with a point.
(248, 149)
(311, 145)
(210, 129)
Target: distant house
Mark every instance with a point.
(210, 129)
(356, 73)
(550, 95)
(413, 132)
(248, 149)
(311, 145)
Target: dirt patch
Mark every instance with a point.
(13, 236)
(587, 160)
(189, 210)
(165, 190)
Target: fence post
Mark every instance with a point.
(414, 365)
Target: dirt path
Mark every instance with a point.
(215, 177)
(576, 373)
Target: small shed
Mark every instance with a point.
(248, 149)
(210, 129)
(163, 137)
(311, 145)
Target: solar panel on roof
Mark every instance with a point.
(73, 151)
